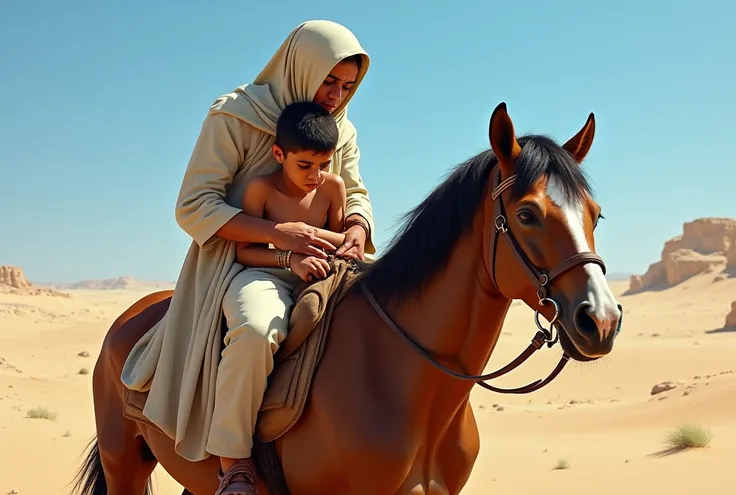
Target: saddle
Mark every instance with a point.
(297, 358)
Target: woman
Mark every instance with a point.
(207, 405)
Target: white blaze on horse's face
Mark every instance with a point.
(604, 308)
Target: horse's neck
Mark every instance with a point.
(459, 316)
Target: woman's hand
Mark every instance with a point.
(309, 268)
(354, 245)
(298, 237)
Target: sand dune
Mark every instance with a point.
(601, 418)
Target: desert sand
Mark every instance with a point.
(600, 420)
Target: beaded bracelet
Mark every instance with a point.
(283, 258)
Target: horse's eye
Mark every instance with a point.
(525, 218)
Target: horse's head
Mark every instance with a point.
(542, 239)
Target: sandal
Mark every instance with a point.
(239, 480)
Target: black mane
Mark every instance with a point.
(422, 247)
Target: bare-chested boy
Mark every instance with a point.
(302, 191)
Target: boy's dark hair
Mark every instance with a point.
(306, 126)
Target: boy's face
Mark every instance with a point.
(305, 169)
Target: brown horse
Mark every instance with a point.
(389, 410)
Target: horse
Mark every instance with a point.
(388, 410)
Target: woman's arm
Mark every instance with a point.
(358, 205)
(201, 210)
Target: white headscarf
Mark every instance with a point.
(295, 73)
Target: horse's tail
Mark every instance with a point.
(269, 467)
(90, 479)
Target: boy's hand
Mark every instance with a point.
(309, 268)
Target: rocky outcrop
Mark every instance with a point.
(731, 256)
(706, 244)
(104, 284)
(13, 281)
(731, 317)
(111, 284)
(13, 278)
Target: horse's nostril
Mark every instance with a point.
(620, 318)
(584, 323)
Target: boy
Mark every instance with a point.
(302, 191)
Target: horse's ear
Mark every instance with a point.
(503, 138)
(579, 145)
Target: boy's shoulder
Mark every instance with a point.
(262, 182)
(333, 187)
(333, 182)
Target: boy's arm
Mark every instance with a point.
(335, 187)
(254, 204)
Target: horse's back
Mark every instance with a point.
(132, 324)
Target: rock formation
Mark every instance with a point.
(706, 244)
(111, 284)
(13, 281)
(731, 317)
(103, 284)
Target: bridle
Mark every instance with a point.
(538, 277)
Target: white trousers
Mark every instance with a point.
(257, 306)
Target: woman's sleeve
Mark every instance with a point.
(358, 201)
(201, 209)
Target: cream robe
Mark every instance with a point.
(177, 359)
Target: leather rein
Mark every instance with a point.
(542, 279)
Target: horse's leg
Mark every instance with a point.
(458, 449)
(199, 478)
(119, 462)
(124, 456)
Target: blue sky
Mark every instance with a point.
(102, 102)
